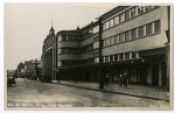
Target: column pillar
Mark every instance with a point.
(160, 75)
(149, 77)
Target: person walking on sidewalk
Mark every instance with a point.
(107, 79)
(120, 80)
(125, 80)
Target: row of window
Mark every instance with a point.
(131, 13)
(133, 34)
(74, 62)
(67, 37)
(121, 57)
(68, 51)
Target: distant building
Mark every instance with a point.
(10, 73)
(30, 67)
(48, 54)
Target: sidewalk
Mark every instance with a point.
(132, 90)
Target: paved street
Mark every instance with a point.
(38, 94)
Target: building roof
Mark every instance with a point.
(112, 12)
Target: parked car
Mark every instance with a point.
(11, 81)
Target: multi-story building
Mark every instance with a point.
(76, 52)
(134, 41)
(48, 55)
(127, 39)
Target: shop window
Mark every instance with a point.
(121, 56)
(133, 55)
(126, 56)
(116, 57)
(106, 58)
(157, 26)
(111, 58)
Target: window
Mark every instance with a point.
(134, 12)
(128, 15)
(96, 60)
(149, 29)
(141, 31)
(126, 56)
(112, 40)
(116, 20)
(133, 34)
(59, 63)
(59, 51)
(137, 55)
(107, 42)
(103, 58)
(116, 39)
(106, 58)
(104, 43)
(107, 25)
(96, 45)
(142, 9)
(111, 23)
(104, 26)
(111, 58)
(95, 29)
(133, 55)
(148, 8)
(121, 56)
(116, 57)
(122, 17)
(59, 38)
(122, 37)
(157, 26)
(127, 36)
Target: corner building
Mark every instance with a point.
(134, 40)
(77, 53)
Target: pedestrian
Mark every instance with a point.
(120, 80)
(125, 80)
(107, 79)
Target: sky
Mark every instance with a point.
(26, 25)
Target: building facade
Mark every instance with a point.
(48, 56)
(134, 41)
(127, 39)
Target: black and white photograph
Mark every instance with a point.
(88, 55)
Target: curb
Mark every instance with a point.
(114, 92)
